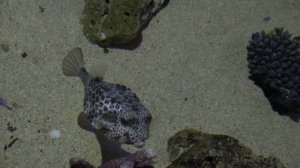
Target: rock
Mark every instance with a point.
(80, 163)
(191, 148)
(117, 22)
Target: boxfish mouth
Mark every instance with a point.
(139, 144)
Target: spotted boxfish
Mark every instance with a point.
(114, 109)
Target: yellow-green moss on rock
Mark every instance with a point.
(117, 22)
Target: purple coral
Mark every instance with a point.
(140, 159)
(5, 103)
(267, 19)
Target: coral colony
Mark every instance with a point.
(274, 62)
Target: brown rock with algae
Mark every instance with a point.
(117, 22)
(191, 148)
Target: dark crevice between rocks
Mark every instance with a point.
(105, 12)
(133, 44)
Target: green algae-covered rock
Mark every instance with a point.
(117, 22)
(193, 149)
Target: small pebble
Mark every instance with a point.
(267, 18)
(54, 134)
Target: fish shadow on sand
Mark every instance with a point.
(110, 149)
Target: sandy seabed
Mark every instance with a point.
(190, 71)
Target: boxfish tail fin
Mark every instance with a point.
(73, 65)
(73, 62)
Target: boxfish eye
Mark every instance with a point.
(130, 122)
(148, 119)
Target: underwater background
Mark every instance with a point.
(190, 70)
